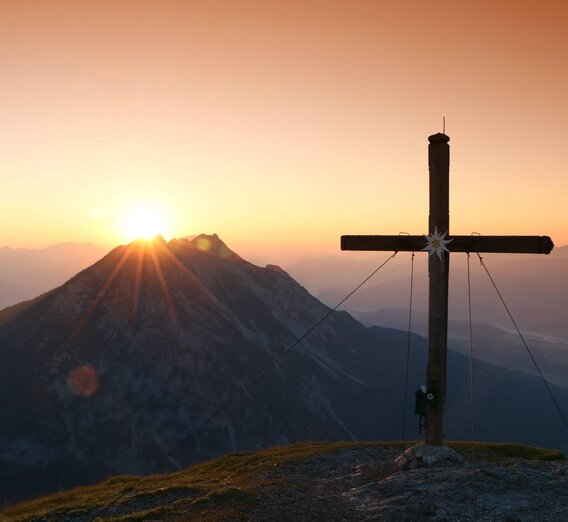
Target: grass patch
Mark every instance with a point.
(220, 495)
(495, 452)
(225, 487)
(121, 479)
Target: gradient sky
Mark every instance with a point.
(280, 125)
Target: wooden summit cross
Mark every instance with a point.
(439, 242)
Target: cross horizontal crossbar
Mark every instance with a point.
(496, 244)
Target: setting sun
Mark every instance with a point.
(144, 222)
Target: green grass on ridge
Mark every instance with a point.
(222, 488)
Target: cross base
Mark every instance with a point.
(423, 455)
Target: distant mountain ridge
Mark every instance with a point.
(490, 343)
(534, 286)
(27, 272)
(114, 371)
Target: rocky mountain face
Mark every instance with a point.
(118, 371)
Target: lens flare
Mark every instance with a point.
(83, 381)
(203, 244)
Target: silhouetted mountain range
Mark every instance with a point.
(490, 343)
(28, 272)
(534, 286)
(116, 370)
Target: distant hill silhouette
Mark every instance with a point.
(535, 286)
(490, 343)
(27, 272)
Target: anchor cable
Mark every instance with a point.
(471, 390)
(408, 349)
(545, 382)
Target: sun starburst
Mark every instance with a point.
(144, 221)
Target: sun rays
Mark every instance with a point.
(163, 283)
(136, 296)
(139, 274)
(80, 324)
(151, 257)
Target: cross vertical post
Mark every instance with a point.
(438, 271)
(439, 244)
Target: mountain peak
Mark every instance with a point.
(213, 244)
(157, 239)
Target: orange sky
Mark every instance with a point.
(280, 124)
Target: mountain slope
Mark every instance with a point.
(105, 375)
(120, 370)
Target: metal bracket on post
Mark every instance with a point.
(421, 399)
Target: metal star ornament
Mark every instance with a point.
(436, 244)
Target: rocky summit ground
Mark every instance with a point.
(327, 482)
(362, 484)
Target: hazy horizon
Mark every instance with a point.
(270, 253)
(26, 273)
